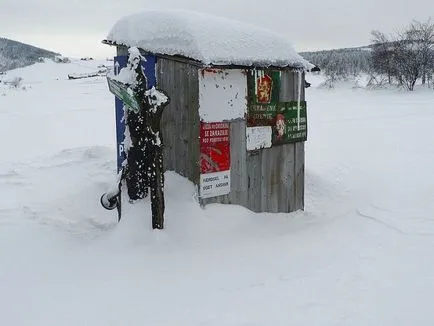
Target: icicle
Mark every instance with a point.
(255, 78)
(299, 98)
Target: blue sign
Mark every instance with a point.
(149, 70)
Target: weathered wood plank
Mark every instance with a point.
(268, 177)
(300, 165)
(283, 188)
(286, 89)
(239, 177)
(182, 115)
(299, 176)
(180, 118)
(194, 126)
(255, 180)
(168, 121)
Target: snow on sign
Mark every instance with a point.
(214, 159)
(123, 93)
(149, 70)
(258, 137)
(222, 94)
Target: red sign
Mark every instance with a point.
(264, 87)
(214, 147)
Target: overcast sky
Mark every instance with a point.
(75, 28)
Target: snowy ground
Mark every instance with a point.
(361, 253)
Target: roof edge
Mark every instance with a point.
(198, 63)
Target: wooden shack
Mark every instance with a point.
(237, 122)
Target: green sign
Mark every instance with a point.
(288, 119)
(124, 93)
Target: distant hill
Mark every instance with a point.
(15, 54)
(341, 61)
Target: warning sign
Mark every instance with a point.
(215, 184)
(215, 160)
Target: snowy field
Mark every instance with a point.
(362, 253)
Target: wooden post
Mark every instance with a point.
(157, 190)
(156, 100)
(144, 168)
(137, 178)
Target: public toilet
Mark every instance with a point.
(237, 119)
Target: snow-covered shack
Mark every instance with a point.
(236, 123)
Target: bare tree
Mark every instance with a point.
(381, 56)
(422, 35)
(407, 56)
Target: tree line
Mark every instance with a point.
(403, 58)
(15, 54)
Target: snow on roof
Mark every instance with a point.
(206, 38)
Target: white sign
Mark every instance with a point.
(215, 184)
(258, 137)
(222, 94)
